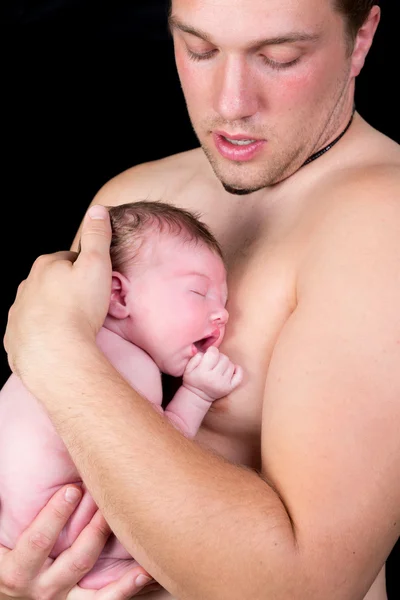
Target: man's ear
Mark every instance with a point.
(119, 288)
(364, 40)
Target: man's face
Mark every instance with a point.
(266, 82)
(177, 301)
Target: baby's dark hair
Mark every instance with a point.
(132, 222)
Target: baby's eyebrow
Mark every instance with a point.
(198, 274)
(192, 273)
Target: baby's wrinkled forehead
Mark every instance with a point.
(180, 245)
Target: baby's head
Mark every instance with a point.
(169, 283)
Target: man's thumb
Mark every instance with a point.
(96, 230)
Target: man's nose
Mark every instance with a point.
(235, 95)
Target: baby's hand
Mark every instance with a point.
(211, 375)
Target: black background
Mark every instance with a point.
(89, 88)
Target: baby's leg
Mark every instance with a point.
(34, 464)
(112, 563)
(105, 571)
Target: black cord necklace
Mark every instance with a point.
(329, 146)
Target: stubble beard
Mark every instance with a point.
(242, 178)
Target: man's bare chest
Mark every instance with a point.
(261, 298)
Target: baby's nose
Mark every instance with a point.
(220, 316)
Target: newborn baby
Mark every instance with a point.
(167, 315)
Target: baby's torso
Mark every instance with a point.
(34, 461)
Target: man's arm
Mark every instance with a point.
(331, 418)
(330, 445)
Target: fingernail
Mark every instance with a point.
(142, 580)
(97, 212)
(72, 495)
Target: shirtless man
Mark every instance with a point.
(313, 255)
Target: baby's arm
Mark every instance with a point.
(207, 377)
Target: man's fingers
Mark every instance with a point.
(79, 559)
(35, 543)
(94, 256)
(20, 288)
(96, 230)
(127, 587)
(44, 260)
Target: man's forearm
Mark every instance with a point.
(204, 528)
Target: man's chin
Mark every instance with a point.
(242, 179)
(238, 191)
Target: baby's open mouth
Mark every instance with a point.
(206, 342)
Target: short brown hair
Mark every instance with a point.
(355, 13)
(132, 222)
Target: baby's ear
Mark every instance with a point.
(118, 307)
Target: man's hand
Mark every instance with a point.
(66, 296)
(211, 375)
(27, 572)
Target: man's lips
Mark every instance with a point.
(237, 136)
(238, 147)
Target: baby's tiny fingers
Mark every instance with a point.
(211, 357)
(237, 376)
(193, 363)
(229, 370)
(222, 365)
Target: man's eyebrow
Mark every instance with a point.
(175, 23)
(300, 36)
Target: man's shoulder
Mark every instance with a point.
(360, 176)
(355, 211)
(350, 199)
(361, 188)
(159, 179)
